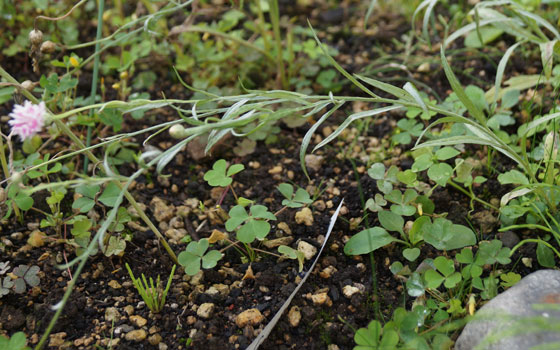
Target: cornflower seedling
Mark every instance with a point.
(152, 294)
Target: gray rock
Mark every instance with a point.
(513, 312)
(509, 239)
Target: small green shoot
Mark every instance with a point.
(153, 295)
(293, 254)
(300, 199)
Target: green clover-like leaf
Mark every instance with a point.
(444, 235)
(367, 241)
(220, 175)
(195, 255)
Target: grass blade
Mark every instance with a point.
(461, 94)
(351, 119)
(307, 138)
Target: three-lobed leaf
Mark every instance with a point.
(221, 175)
(444, 235)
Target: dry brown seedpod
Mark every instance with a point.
(36, 37)
(29, 85)
(48, 47)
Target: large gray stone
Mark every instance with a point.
(513, 311)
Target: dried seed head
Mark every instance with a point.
(177, 131)
(36, 37)
(28, 85)
(48, 47)
(16, 178)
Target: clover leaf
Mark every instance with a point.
(195, 255)
(115, 246)
(376, 204)
(445, 274)
(5, 286)
(86, 202)
(27, 275)
(16, 342)
(492, 252)
(300, 199)
(373, 337)
(444, 235)
(440, 173)
(402, 201)
(220, 175)
(249, 227)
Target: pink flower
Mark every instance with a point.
(27, 119)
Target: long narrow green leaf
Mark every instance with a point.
(411, 89)
(419, 8)
(454, 140)
(426, 19)
(536, 123)
(372, 4)
(338, 67)
(169, 154)
(547, 56)
(351, 119)
(501, 69)
(460, 92)
(391, 89)
(307, 138)
(472, 26)
(541, 21)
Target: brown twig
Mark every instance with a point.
(57, 18)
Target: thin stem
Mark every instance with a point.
(233, 192)
(95, 73)
(58, 18)
(470, 195)
(275, 19)
(533, 240)
(528, 226)
(6, 170)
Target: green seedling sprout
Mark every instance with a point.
(152, 294)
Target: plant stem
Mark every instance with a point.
(470, 195)
(275, 19)
(6, 171)
(95, 73)
(533, 240)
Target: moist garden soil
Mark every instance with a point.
(105, 309)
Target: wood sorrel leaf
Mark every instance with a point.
(367, 241)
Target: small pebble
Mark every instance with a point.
(205, 310)
(136, 335)
(304, 216)
(249, 317)
(307, 249)
(294, 316)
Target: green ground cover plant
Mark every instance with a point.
(226, 101)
